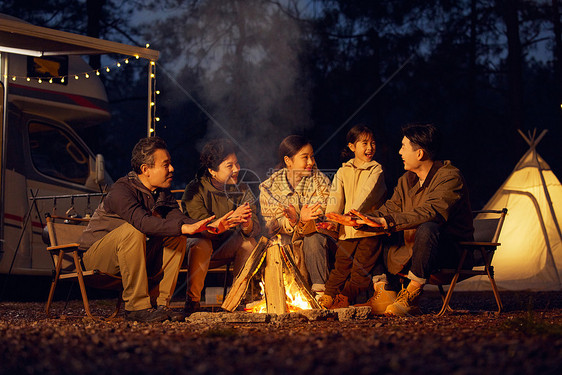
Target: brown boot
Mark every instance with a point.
(381, 299)
(406, 304)
(340, 301)
(326, 301)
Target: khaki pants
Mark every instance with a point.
(201, 256)
(126, 251)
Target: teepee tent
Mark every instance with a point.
(530, 255)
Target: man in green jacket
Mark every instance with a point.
(429, 210)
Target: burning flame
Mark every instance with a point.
(295, 299)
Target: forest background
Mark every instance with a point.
(256, 71)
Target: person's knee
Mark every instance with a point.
(427, 232)
(315, 242)
(130, 234)
(200, 246)
(247, 246)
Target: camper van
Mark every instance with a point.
(46, 166)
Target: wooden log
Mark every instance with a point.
(292, 268)
(275, 297)
(242, 280)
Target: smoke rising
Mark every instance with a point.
(246, 55)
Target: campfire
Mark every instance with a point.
(282, 286)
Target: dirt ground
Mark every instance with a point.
(525, 339)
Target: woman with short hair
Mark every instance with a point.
(216, 191)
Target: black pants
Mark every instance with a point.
(433, 249)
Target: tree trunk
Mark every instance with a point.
(94, 9)
(557, 54)
(509, 10)
(472, 66)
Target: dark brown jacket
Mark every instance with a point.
(202, 199)
(154, 214)
(443, 199)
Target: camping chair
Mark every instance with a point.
(487, 228)
(64, 233)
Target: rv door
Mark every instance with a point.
(2, 163)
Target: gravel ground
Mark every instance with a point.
(525, 339)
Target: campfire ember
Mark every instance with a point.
(282, 287)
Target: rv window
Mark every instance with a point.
(56, 154)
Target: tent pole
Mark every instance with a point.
(549, 256)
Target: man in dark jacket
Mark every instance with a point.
(430, 213)
(138, 231)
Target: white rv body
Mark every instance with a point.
(40, 153)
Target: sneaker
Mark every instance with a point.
(318, 288)
(191, 307)
(149, 315)
(381, 299)
(406, 304)
(326, 301)
(340, 301)
(175, 316)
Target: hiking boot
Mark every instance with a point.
(175, 316)
(381, 299)
(325, 301)
(340, 301)
(406, 304)
(149, 315)
(191, 307)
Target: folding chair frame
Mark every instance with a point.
(112, 281)
(459, 274)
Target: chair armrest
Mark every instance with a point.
(473, 244)
(66, 247)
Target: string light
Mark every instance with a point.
(97, 72)
(62, 79)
